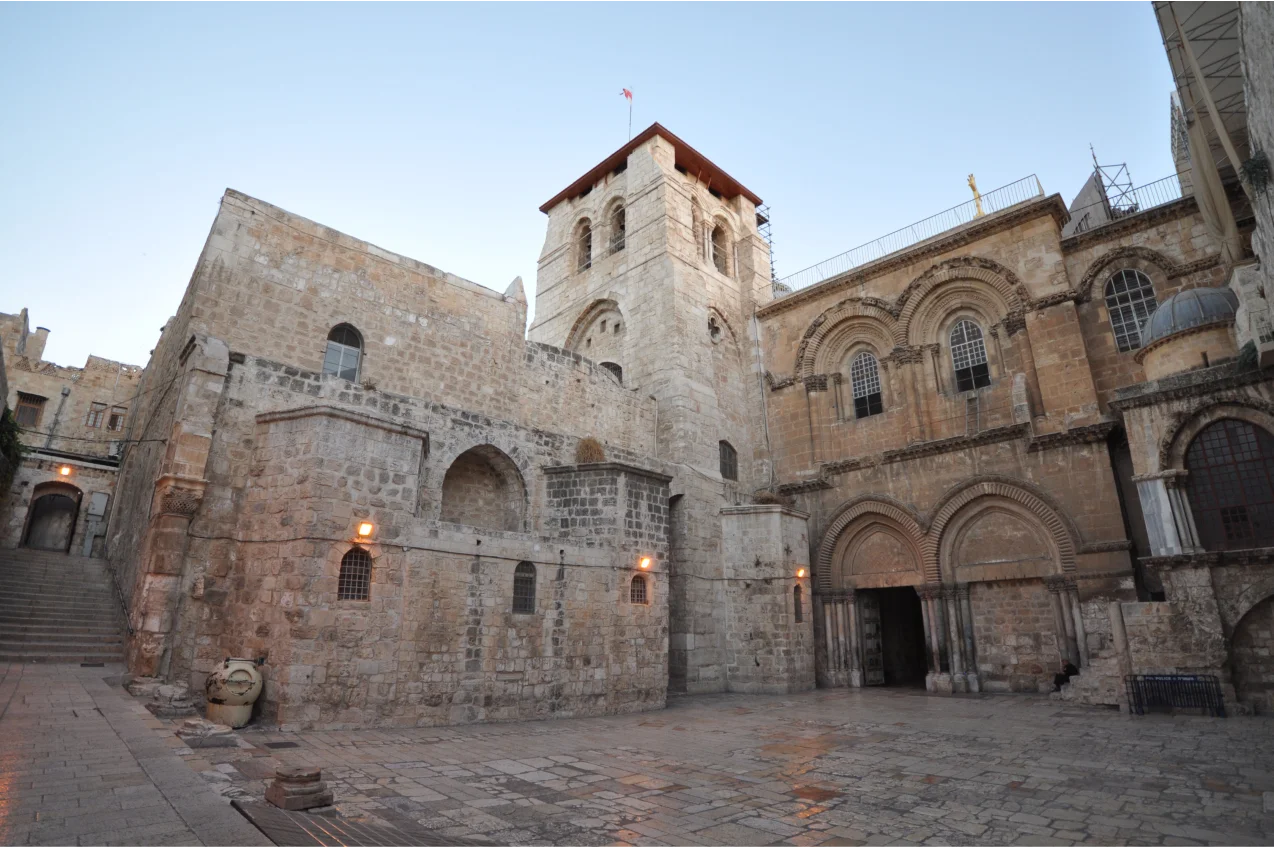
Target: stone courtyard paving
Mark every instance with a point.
(825, 767)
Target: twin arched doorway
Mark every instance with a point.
(52, 516)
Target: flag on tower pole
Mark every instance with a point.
(628, 94)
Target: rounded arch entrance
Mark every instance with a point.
(483, 488)
(51, 517)
(1252, 656)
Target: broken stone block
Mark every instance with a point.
(297, 788)
(198, 732)
(143, 686)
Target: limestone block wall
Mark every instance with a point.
(1018, 648)
(34, 471)
(767, 649)
(1170, 245)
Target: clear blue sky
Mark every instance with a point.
(437, 130)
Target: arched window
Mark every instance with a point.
(637, 591)
(524, 589)
(720, 249)
(618, 226)
(1231, 485)
(729, 461)
(583, 246)
(968, 354)
(864, 378)
(799, 613)
(344, 349)
(1130, 299)
(616, 370)
(355, 582)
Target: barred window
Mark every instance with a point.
(968, 354)
(637, 591)
(614, 368)
(524, 589)
(96, 411)
(729, 461)
(29, 410)
(583, 246)
(1130, 299)
(864, 377)
(796, 604)
(355, 581)
(618, 227)
(344, 349)
(1231, 485)
(116, 421)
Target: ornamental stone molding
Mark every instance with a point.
(892, 511)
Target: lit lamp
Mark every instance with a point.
(644, 564)
(800, 573)
(365, 529)
(65, 470)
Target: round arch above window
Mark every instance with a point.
(1231, 485)
(617, 224)
(720, 244)
(583, 241)
(344, 353)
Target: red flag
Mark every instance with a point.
(628, 94)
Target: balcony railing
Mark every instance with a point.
(1126, 203)
(1024, 189)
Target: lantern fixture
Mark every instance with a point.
(365, 529)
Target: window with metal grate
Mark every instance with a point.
(1231, 485)
(524, 589)
(968, 355)
(864, 379)
(799, 615)
(1130, 299)
(637, 591)
(355, 581)
(729, 461)
(344, 352)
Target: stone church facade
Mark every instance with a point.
(1014, 443)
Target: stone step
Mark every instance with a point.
(61, 638)
(60, 657)
(12, 630)
(56, 609)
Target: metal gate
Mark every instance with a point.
(873, 649)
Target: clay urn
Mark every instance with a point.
(231, 690)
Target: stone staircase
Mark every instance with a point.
(58, 608)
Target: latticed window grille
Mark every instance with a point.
(1231, 485)
(355, 582)
(584, 246)
(864, 379)
(116, 421)
(637, 591)
(344, 349)
(796, 604)
(729, 461)
(968, 354)
(524, 589)
(618, 228)
(96, 411)
(29, 410)
(1130, 299)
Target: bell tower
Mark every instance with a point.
(652, 266)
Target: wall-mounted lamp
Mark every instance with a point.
(644, 564)
(65, 470)
(800, 573)
(365, 529)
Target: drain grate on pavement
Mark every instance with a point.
(301, 829)
(281, 745)
(92, 664)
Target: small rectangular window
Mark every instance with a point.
(729, 461)
(116, 422)
(96, 411)
(867, 406)
(29, 411)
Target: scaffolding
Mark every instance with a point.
(763, 230)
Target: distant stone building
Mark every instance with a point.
(72, 423)
(954, 459)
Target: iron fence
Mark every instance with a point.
(1027, 188)
(1152, 692)
(1128, 202)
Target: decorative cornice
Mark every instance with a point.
(1070, 295)
(1115, 546)
(337, 413)
(817, 382)
(613, 467)
(906, 355)
(959, 442)
(978, 229)
(804, 486)
(1079, 435)
(1206, 263)
(1201, 383)
(1113, 229)
(777, 384)
(1213, 559)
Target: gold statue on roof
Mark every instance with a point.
(977, 197)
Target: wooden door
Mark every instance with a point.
(873, 649)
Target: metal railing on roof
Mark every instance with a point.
(1122, 204)
(1027, 188)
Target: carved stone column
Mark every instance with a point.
(931, 666)
(1081, 639)
(954, 639)
(1166, 511)
(939, 678)
(972, 680)
(1063, 622)
(855, 640)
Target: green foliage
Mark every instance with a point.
(11, 450)
(1247, 358)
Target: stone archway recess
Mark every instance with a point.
(892, 511)
(51, 517)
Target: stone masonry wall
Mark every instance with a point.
(1017, 641)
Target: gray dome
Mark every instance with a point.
(1186, 309)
